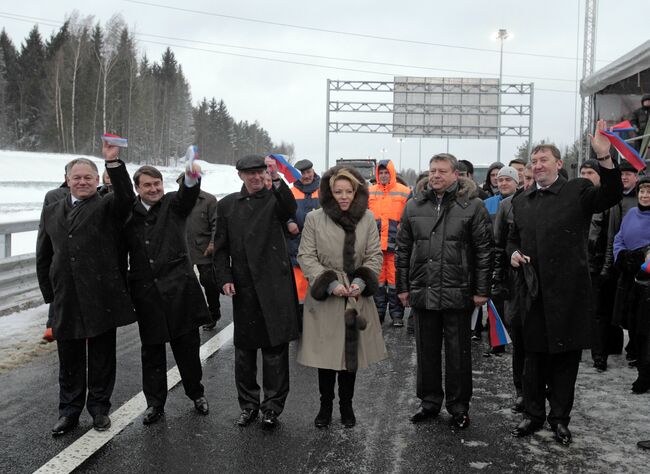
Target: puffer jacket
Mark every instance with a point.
(444, 250)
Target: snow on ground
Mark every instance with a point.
(25, 177)
(20, 337)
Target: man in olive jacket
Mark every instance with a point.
(78, 264)
(252, 265)
(550, 231)
(444, 265)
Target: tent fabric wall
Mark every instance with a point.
(629, 74)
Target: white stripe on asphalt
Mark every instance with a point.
(79, 451)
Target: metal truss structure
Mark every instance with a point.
(588, 62)
(387, 109)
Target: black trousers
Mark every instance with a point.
(606, 339)
(208, 281)
(430, 326)
(154, 368)
(386, 299)
(326, 382)
(275, 378)
(557, 371)
(91, 359)
(518, 356)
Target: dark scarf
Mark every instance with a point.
(308, 188)
(349, 219)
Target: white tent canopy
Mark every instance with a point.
(632, 63)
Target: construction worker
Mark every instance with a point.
(386, 201)
(305, 191)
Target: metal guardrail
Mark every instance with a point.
(18, 284)
(8, 228)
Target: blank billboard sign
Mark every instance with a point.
(456, 107)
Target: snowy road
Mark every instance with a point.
(607, 420)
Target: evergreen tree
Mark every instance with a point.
(31, 67)
(11, 99)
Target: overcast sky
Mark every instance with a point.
(289, 100)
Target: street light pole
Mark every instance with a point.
(400, 140)
(502, 35)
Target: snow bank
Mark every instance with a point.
(25, 177)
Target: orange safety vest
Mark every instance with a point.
(387, 203)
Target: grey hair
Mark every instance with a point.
(448, 157)
(80, 161)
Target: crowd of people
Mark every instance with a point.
(563, 261)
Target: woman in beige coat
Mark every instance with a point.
(340, 255)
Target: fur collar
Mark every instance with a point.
(466, 190)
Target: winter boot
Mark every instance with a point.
(346, 393)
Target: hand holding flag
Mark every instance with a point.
(603, 139)
(191, 167)
(282, 165)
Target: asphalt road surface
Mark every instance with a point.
(608, 420)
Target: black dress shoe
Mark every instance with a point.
(526, 428)
(423, 414)
(270, 419)
(641, 385)
(101, 422)
(324, 417)
(65, 424)
(348, 420)
(201, 405)
(152, 414)
(461, 420)
(518, 407)
(600, 365)
(209, 327)
(643, 444)
(562, 434)
(247, 416)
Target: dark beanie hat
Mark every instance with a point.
(626, 166)
(591, 163)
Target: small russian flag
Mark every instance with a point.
(115, 140)
(498, 334)
(646, 267)
(290, 173)
(624, 126)
(629, 153)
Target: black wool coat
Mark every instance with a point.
(251, 252)
(79, 263)
(551, 227)
(444, 253)
(166, 293)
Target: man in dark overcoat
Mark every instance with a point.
(253, 266)
(165, 291)
(78, 268)
(550, 230)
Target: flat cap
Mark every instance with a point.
(250, 162)
(627, 166)
(303, 165)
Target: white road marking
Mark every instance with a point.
(79, 451)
